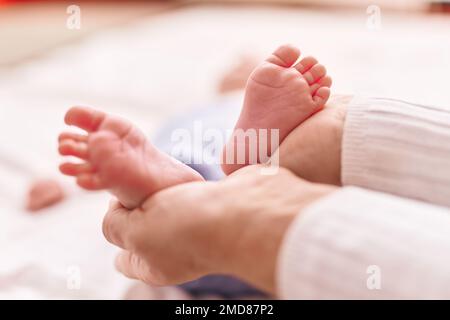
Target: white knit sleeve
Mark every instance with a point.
(362, 244)
(399, 148)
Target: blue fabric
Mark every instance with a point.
(219, 116)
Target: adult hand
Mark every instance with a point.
(234, 226)
(313, 150)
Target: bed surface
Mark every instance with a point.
(151, 70)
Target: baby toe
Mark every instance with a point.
(305, 64)
(316, 72)
(74, 169)
(72, 136)
(73, 148)
(323, 82)
(85, 118)
(284, 56)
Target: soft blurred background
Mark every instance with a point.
(150, 61)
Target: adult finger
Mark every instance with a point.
(116, 225)
(133, 266)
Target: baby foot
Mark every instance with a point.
(118, 157)
(280, 94)
(44, 193)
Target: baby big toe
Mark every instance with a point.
(284, 56)
(85, 118)
(75, 169)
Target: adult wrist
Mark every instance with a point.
(255, 234)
